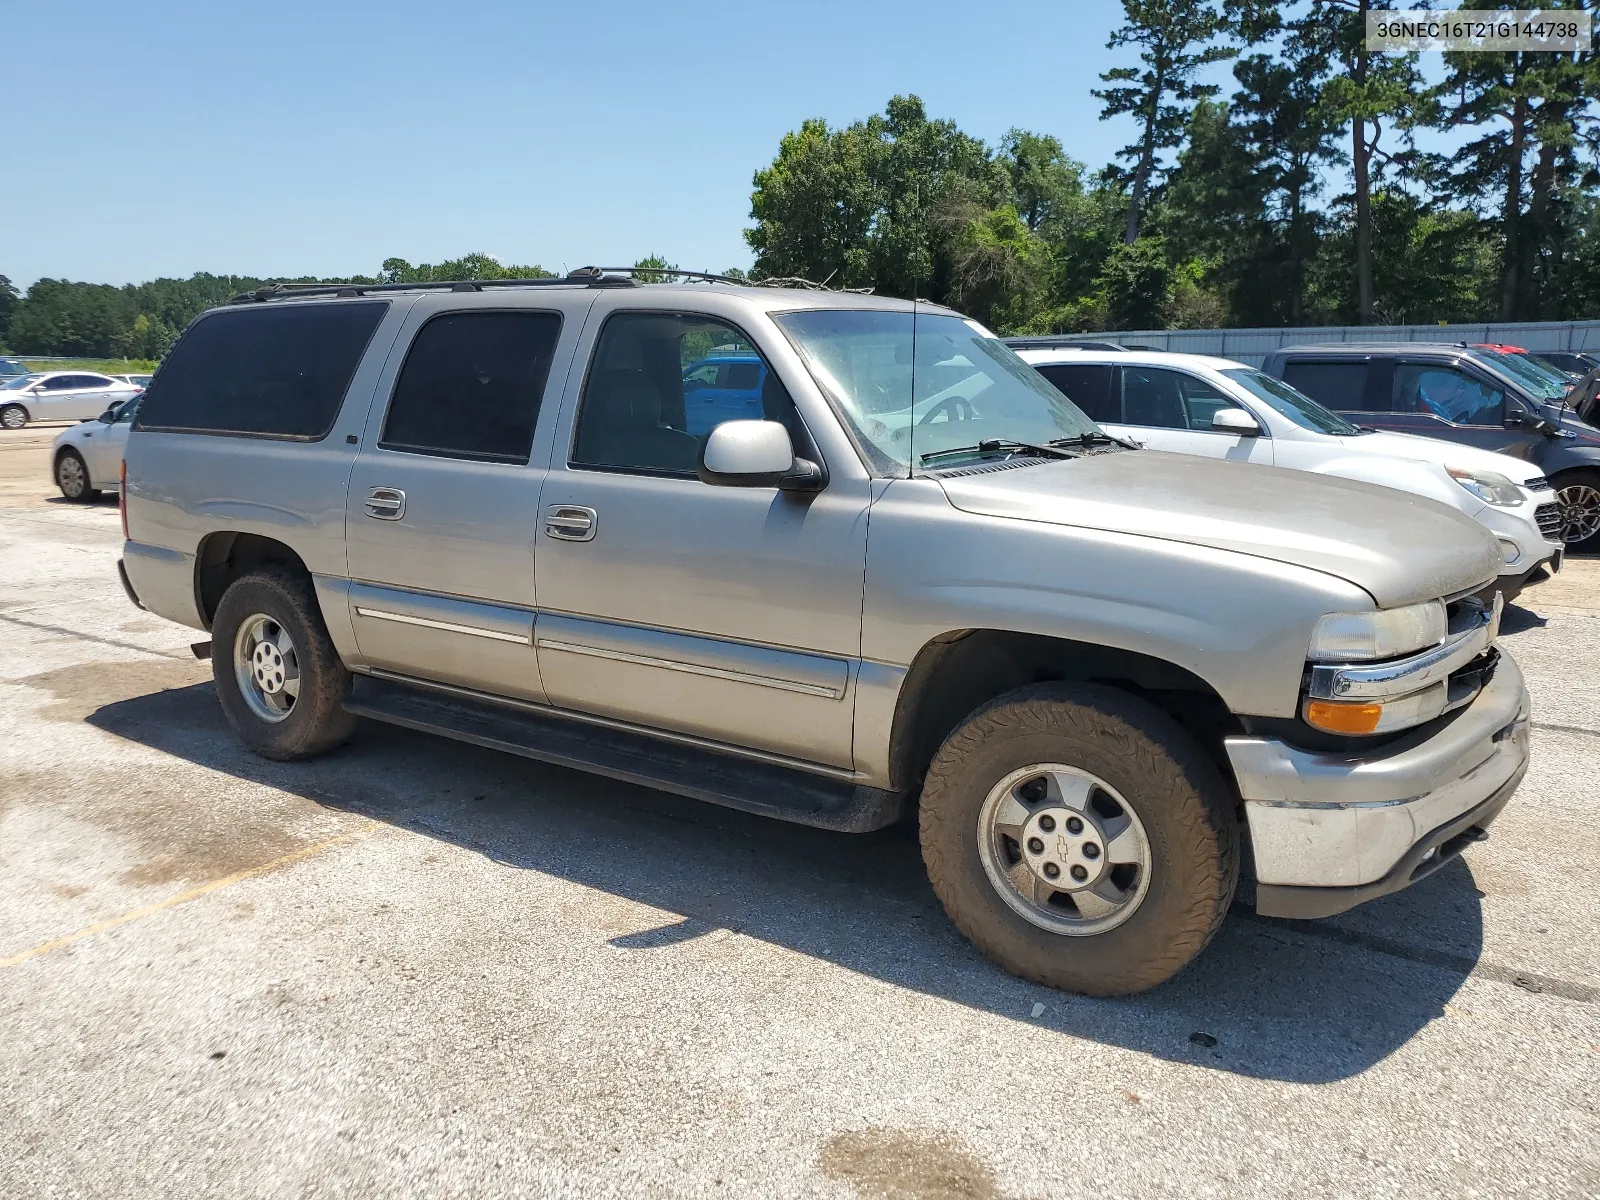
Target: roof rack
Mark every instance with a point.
(1053, 342)
(595, 277)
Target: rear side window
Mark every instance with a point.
(471, 386)
(1336, 385)
(1086, 385)
(263, 372)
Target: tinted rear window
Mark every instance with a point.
(267, 372)
(1088, 386)
(1336, 385)
(471, 386)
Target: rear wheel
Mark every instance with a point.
(1578, 493)
(1080, 838)
(72, 476)
(13, 416)
(278, 676)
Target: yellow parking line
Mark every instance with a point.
(185, 897)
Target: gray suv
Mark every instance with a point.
(1469, 394)
(916, 583)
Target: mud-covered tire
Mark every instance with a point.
(1186, 809)
(315, 722)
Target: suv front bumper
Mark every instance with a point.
(1330, 831)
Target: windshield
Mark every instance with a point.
(1546, 383)
(911, 385)
(20, 381)
(1285, 400)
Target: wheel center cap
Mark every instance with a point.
(1065, 848)
(266, 664)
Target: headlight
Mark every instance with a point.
(1386, 633)
(1489, 486)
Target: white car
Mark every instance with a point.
(87, 458)
(1195, 404)
(60, 396)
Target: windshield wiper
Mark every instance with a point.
(1098, 438)
(998, 445)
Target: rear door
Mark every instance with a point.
(442, 509)
(91, 395)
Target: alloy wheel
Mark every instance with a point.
(1580, 512)
(1064, 849)
(267, 667)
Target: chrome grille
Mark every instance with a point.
(1549, 518)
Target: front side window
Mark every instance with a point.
(471, 386)
(265, 370)
(1286, 401)
(649, 402)
(1448, 393)
(909, 385)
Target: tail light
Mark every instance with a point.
(122, 500)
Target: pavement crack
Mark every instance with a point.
(1566, 728)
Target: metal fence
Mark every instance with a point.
(1253, 345)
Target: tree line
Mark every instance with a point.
(1302, 196)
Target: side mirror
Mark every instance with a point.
(1235, 420)
(109, 415)
(1517, 418)
(756, 454)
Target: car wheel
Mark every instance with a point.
(13, 416)
(1080, 838)
(72, 476)
(278, 676)
(1578, 493)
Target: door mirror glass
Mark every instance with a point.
(747, 454)
(108, 416)
(1235, 420)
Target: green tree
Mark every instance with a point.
(873, 204)
(1365, 90)
(1531, 107)
(1138, 280)
(8, 305)
(1174, 39)
(468, 267)
(644, 273)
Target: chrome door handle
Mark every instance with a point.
(386, 503)
(570, 522)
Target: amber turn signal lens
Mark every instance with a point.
(1336, 717)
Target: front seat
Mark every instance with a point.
(623, 428)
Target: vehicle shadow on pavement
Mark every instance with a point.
(1301, 1002)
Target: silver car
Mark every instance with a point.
(60, 396)
(920, 583)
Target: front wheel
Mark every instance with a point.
(72, 477)
(1080, 838)
(1578, 493)
(278, 676)
(13, 416)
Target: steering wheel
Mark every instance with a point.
(955, 408)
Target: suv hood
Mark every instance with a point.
(1400, 548)
(1445, 454)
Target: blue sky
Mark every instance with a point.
(294, 138)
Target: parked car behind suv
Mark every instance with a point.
(1195, 404)
(60, 396)
(1092, 671)
(1463, 395)
(86, 459)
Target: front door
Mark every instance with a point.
(1443, 400)
(442, 505)
(1172, 410)
(728, 613)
